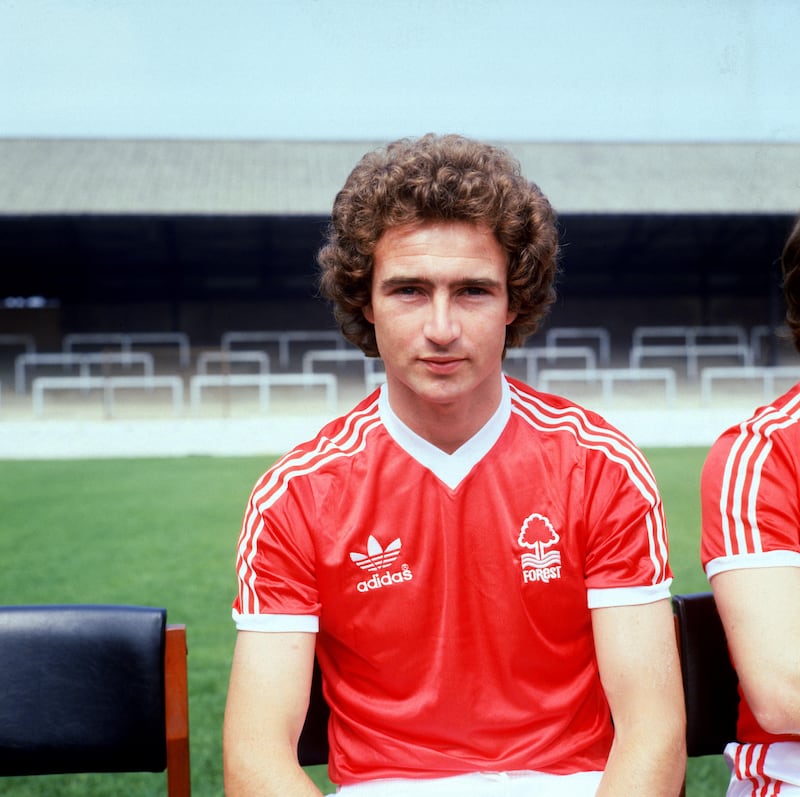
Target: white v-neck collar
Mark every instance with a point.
(448, 468)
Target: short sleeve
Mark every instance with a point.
(275, 560)
(627, 555)
(750, 499)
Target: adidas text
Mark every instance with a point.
(386, 580)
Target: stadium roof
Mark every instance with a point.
(111, 176)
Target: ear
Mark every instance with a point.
(511, 317)
(368, 314)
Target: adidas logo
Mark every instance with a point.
(376, 559)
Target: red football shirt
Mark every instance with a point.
(750, 493)
(452, 593)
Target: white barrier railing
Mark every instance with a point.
(690, 335)
(690, 343)
(555, 335)
(225, 358)
(26, 342)
(337, 356)
(126, 341)
(108, 384)
(767, 375)
(84, 361)
(692, 353)
(608, 376)
(764, 337)
(532, 355)
(375, 379)
(263, 382)
(284, 340)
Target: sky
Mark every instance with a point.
(508, 70)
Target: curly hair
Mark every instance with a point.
(439, 178)
(790, 266)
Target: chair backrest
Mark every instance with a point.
(93, 689)
(709, 681)
(313, 745)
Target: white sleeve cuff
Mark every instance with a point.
(305, 623)
(750, 560)
(628, 596)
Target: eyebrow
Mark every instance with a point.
(466, 282)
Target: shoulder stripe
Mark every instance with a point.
(303, 460)
(308, 457)
(572, 419)
(741, 477)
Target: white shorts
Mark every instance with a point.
(480, 784)
(761, 770)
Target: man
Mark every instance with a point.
(751, 552)
(481, 568)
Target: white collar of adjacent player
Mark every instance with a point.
(449, 468)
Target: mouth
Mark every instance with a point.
(442, 365)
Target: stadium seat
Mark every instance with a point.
(93, 688)
(709, 681)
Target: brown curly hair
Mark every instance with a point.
(790, 266)
(439, 178)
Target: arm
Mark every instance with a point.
(639, 667)
(759, 609)
(267, 703)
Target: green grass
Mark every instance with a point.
(163, 532)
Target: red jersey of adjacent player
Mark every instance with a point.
(452, 593)
(751, 506)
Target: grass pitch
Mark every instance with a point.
(163, 532)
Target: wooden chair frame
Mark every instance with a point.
(176, 712)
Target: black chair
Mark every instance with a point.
(312, 748)
(710, 683)
(93, 689)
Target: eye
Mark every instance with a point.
(406, 290)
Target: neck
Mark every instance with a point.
(446, 425)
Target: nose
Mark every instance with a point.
(441, 324)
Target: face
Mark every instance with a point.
(439, 304)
